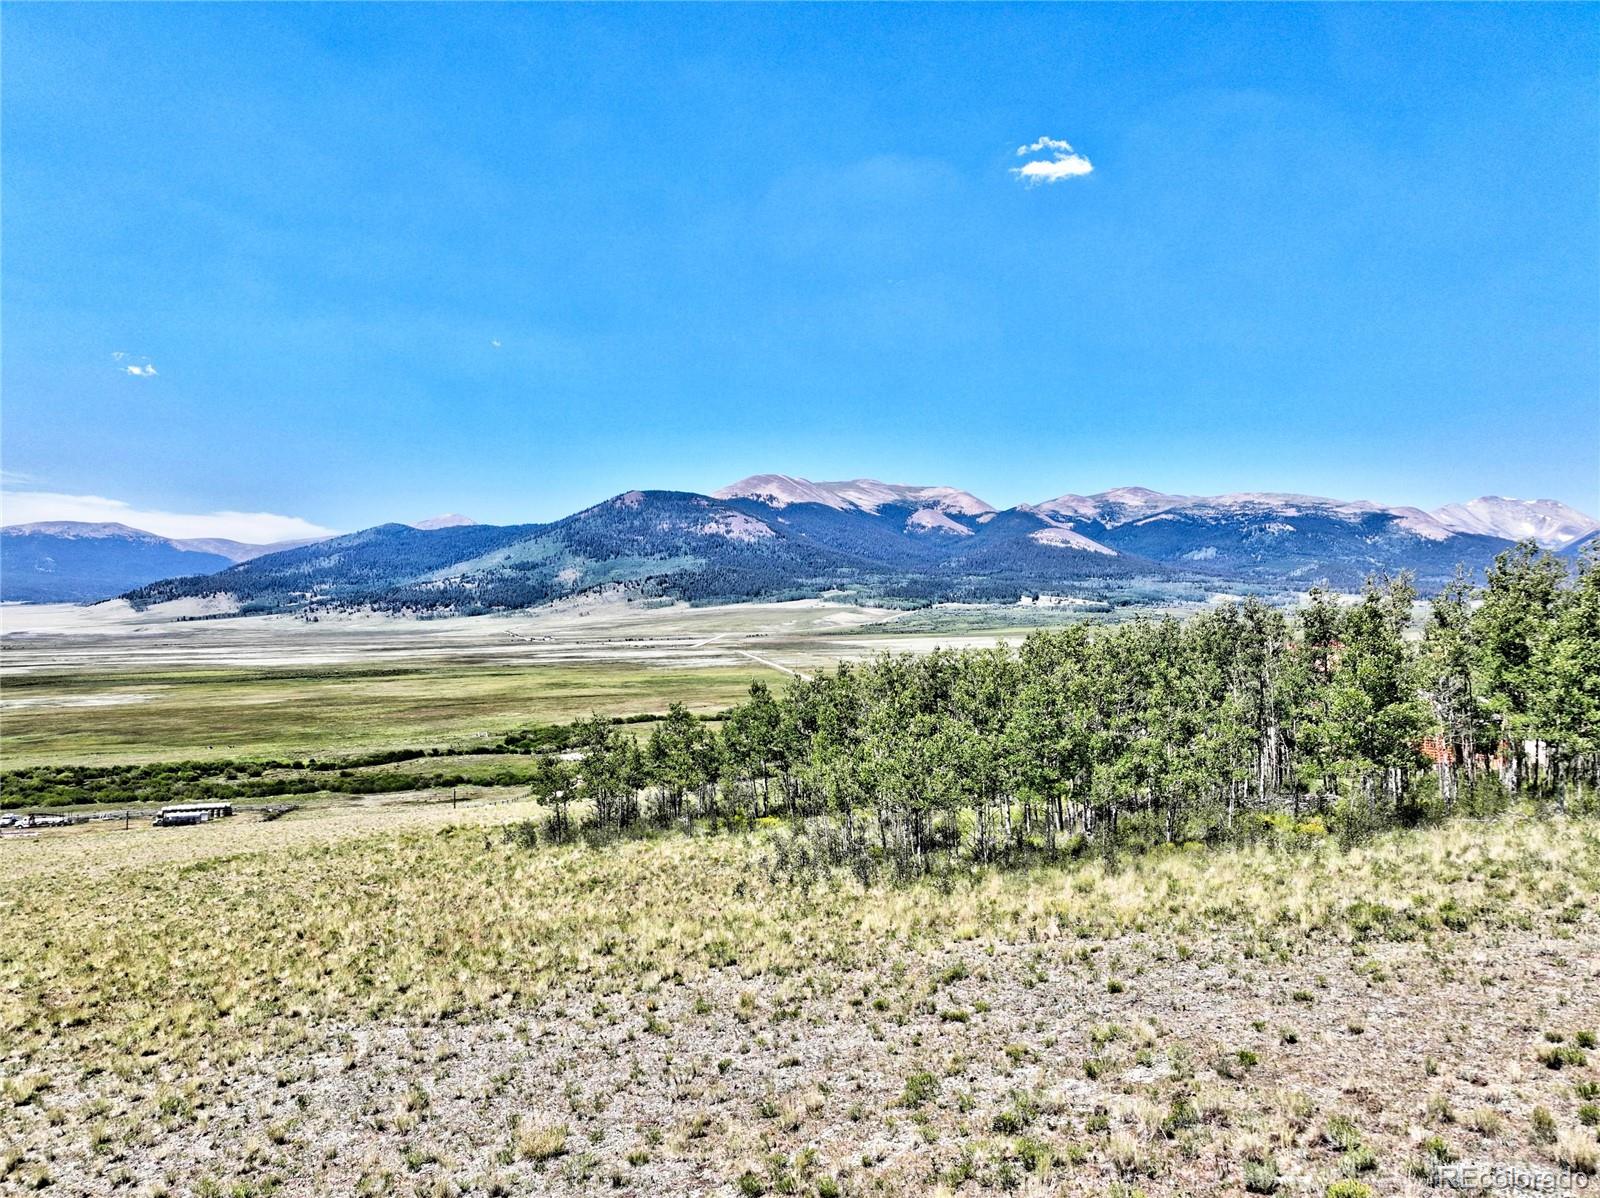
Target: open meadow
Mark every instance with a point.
(106, 684)
(410, 998)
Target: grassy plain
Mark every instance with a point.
(137, 715)
(96, 687)
(88, 686)
(106, 684)
(401, 998)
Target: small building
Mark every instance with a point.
(182, 814)
(1043, 600)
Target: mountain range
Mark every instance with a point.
(74, 561)
(779, 536)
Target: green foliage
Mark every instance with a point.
(1561, 1056)
(243, 779)
(1543, 1124)
(920, 1089)
(1239, 724)
(1018, 1114)
(1261, 1177)
(1349, 1189)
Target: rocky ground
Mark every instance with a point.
(989, 1052)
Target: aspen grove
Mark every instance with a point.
(1338, 717)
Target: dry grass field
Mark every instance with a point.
(105, 684)
(399, 997)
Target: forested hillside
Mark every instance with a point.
(1265, 542)
(776, 537)
(660, 543)
(342, 568)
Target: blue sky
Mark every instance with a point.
(389, 261)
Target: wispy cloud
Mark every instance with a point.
(1064, 162)
(1044, 143)
(253, 528)
(143, 368)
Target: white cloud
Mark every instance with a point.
(253, 528)
(1064, 162)
(141, 369)
(1069, 166)
(1044, 143)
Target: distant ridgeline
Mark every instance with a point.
(71, 561)
(776, 537)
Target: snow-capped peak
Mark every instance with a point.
(1065, 538)
(1060, 534)
(1553, 525)
(862, 494)
(81, 529)
(1409, 519)
(1111, 508)
(1126, 505)
(1142, 495)
(869, 495)
(930, 519)
(780, 490)
(448, 520)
